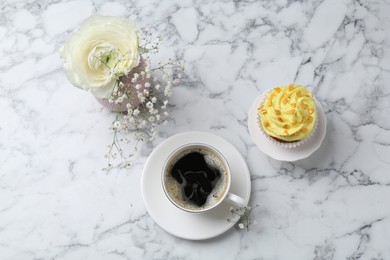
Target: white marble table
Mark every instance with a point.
(55, 201)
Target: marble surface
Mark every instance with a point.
(57, 203)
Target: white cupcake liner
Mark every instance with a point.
(288, 145)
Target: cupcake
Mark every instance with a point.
(288, 115)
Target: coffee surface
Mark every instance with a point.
(196, 178)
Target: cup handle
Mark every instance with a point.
(235, 200)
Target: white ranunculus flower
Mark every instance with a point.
(98, 53)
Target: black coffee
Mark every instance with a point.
(196, 178)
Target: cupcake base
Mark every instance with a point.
(283, 143)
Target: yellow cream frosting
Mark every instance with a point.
(288, 113)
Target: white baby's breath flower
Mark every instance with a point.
(147, 85)
(241, 226)
(136, 112)
(149, 105)
(176, 81)
(117, 124)
(120, 100)
(138, 86)
(157, 87)
(152, 119)
(154, 99)
(143, 124)
(113, 71)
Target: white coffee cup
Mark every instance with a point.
(174, 191)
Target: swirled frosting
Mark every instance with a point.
(288, 113)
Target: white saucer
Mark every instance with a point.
(281, 153)
(180, 223)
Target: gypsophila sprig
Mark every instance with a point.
(111, 57)
(144, 92)
(244, 214)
